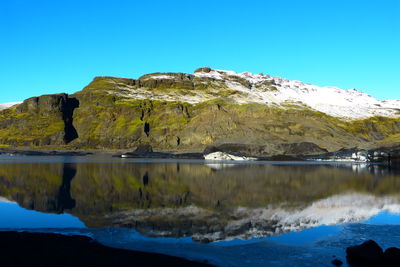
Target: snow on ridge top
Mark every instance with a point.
(395, 103)
(162, 77)
(344, 103)
(266, 90)
(8, 105)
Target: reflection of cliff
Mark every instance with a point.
(32, 186)
(42, 188)
(109, 187)
(183, 199)
(64, 200)
(122, 186)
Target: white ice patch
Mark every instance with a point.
(225, 156)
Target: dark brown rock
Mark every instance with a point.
(203, 69)
(391, 257)
(144, 148)
(302, 148)
(40, 121)
(337, 262)
(368, 253)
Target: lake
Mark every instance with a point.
(228, 213)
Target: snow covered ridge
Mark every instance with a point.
(8, 105)
(263, 89)
(334, 101)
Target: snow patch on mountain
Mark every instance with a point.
(246, 88)
(334, 101)
(162, 77)
(8, 105)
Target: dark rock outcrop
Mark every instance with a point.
(337, 262)
(391, 257)
(203, 69)
(144, 148)
(368, 253)
(39, 121)
(302, 148)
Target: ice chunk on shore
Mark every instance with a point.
(225, 156)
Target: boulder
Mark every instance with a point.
(144, 148)
(368, 253)
(391, 257)
(337, 262)
(302, 148)
(203, 69)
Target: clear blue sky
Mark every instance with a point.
(59, 46)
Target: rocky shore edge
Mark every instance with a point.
(226, 152)
(48, 249)
(380, 155)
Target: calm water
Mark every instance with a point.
(221, 212)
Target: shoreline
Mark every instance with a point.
(379, 156)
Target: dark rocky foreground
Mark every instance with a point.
(370, 254)
(43, 249)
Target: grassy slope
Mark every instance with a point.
(30, 128)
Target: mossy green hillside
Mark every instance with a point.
(33, 123)
(106, 116)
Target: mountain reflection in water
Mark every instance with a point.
(207, 202)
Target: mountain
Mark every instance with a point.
(241, 112)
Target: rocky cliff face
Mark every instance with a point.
(252, 114)
(39, 121)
